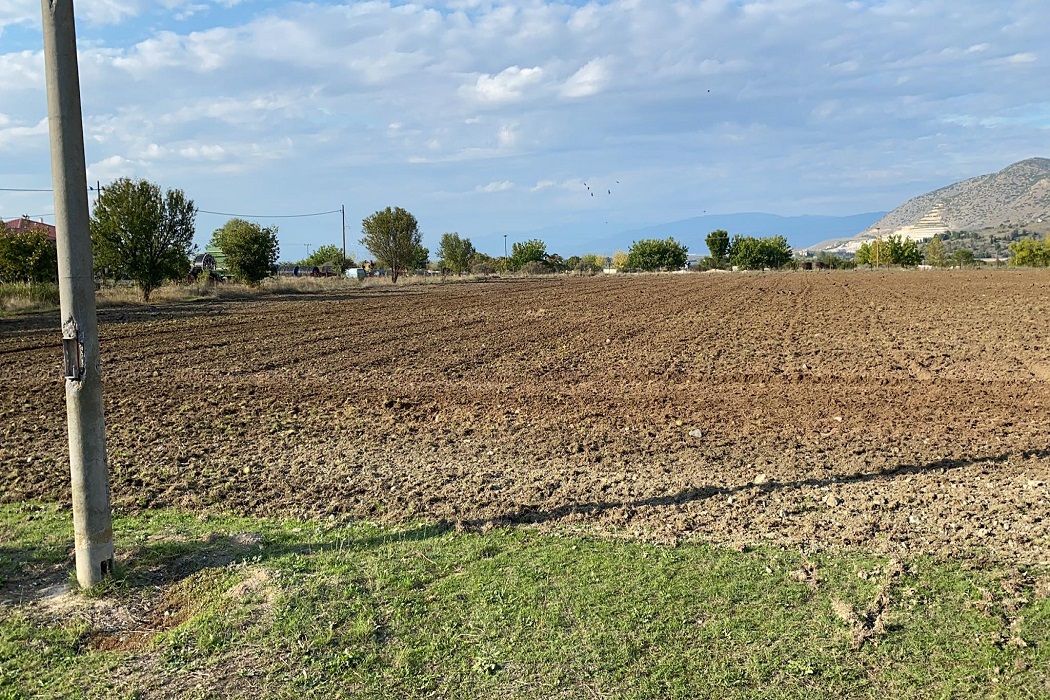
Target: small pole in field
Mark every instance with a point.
(92, 525)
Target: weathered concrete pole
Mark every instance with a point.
(92, 525)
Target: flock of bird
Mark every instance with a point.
(592, 193)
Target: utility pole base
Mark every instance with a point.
(94, 560)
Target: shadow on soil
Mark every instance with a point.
(531, 516)
(27, 573)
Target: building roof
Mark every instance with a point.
(24, 223)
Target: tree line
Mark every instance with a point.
(143, 234)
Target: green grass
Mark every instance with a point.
(18, 297)
(262, 608)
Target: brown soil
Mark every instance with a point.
(901, 412)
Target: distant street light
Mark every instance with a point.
(504, 245)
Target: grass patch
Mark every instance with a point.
(20, 297)
(263, 608)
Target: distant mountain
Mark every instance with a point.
(1016, 195)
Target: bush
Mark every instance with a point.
(526, 252)
(895, 250)
(19, 296)
(1030, 253)
(749, 253)
(27, 256)
(535, 267)
(251, 250)
(653, 254)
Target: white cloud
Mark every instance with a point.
(507, 86)
(109, 11)
(21, 136)
(508, 136)
(153, 151)
(111, 168)
(588, 80)
(23, 70)
(1025, 57)
(394, 101)
(19, 12)
(212, 152)
(501, 186)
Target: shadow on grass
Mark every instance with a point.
(28, 573)
(25, 570)
(168, 562)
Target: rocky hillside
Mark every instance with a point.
(1015, 196)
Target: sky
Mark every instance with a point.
(532, 119)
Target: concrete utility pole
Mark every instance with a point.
(92, 527)
(342, 209)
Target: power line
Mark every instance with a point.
(28, 189)
(273, 216)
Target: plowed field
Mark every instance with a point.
(902, 412)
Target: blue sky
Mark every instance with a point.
(487, 117)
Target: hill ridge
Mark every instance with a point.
(1016, 195)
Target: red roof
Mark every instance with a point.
(24, 224)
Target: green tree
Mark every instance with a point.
(902, 251)
(935, 253)
(137, 231)
(591, 263)
(251, 251)
(963, 258)
(27, 256)
(894, 250)
(455, 253)
(718, 246)
(420, 258)
(555, 263)
(483, 264)
(328, 254)
(653, 254)
(745, 252)
(750, 253)
(1029, 252)
(527, 251)
(393, 237)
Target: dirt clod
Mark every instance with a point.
(742, 410)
